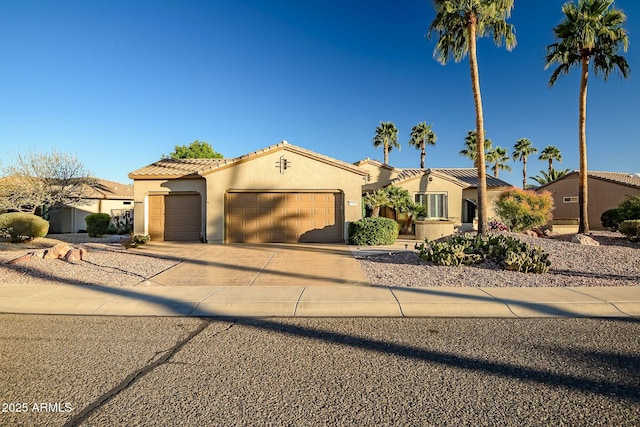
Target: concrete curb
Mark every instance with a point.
(320, 301)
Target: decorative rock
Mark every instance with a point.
(582, 239)
(23, 258)
(58, 251)
(73, 255)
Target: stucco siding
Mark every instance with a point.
(434, 184)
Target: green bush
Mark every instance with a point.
(627, 210)
(20, 226)
(509, 252)
(523, 210)
(373, 231)
(631, 229)
(98, 224)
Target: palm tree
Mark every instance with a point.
(471, 147)
(376, 200)
(544, 178)
(399, 199)
(387, 136)
(498, 156)
(550, 153)
(592, 29)
(421, 136)
(521, 151)
(458, 23)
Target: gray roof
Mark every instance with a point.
(622, 178)
(467, 176)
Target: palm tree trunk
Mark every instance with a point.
(423, 154)
(482, 173)
(583, 197)
(386, 154)
(524, 173)
(375, 212)
(550, 165)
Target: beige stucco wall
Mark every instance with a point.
(262, 173)
(379, 176)
(603, 196)
(492, 195)
(437, 185)
(142, 189)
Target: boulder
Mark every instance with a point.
(583, 239)
(73, 255)
(23, 258)
(58, 251)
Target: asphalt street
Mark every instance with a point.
(104, 371)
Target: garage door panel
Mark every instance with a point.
(284, 217)
(183, 214)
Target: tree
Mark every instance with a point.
(498, 157)
(375, 200)
(44, 181)
(521, 150)
(195, 150)
(544, 178)
(421, 136)
(387, 137)
(550, 153)
(399, 200)
(458, 24)
(471, 147)
(590, 30)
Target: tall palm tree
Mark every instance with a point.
(471, 147)
(387, 136)
(591, 30)
(458, 23)
(550, 153)
(421, 136)
(521, 151)
(498, 157)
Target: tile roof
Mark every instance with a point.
(629, 179)
(182, 168)
(465, 177)
(112, 190)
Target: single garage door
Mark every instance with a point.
(175, 217)
(271, 217)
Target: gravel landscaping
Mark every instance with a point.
(616, 262)
(107, 263)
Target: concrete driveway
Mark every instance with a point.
(258, 265)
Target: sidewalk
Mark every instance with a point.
(320, 301)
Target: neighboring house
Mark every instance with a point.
(282, 193)
(104, 196)
(447, 193)
(606, 191)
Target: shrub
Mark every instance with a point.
(627, 210)
(509, 252)
(20, 226)
(140, 239)
(631, 229)
(523, 210)
(373, 231)
(98, 224)
(495, 225)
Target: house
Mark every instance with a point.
(606, 190)
(104, 196)
(281, 193)
(447, 193)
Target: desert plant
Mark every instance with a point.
(631, 229)
(497, 225)
(629, 209)
(373, 231)
(509, 252)
(98, 224)
(20, 226)
(523, 210)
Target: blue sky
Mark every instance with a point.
(120, 83)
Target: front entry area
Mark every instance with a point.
(284, 217)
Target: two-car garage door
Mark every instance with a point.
(283, 217)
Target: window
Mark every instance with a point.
(435, 203)
(571, 199)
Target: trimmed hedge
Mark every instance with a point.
(373, 231)
(20, 226)
(627, 210)
(98, 224)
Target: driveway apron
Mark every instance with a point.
(259, 265)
